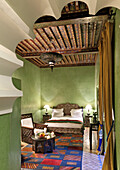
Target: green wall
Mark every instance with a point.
(5, 141)
(97, 69)
(26, 79)
(68, 84)
(117, 86)
(10, 148)
(15, 137)
(29, 75)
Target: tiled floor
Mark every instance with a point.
(91, 161)
(86, 140)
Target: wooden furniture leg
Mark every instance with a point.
(90, 137)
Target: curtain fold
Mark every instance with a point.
(100, 92)
(105, 50)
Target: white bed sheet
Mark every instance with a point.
(65, 125)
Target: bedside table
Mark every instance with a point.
(46, 117)
(93, 127)
(87, 121)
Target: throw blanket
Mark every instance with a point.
(64, 121)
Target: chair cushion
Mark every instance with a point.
(27, 122)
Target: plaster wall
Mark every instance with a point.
(97, 69)
(68, 84)
(29, 75)
(5, 141)
(10, 152)
(15, 137)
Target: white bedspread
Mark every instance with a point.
(65, 125)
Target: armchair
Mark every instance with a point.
(27, 127)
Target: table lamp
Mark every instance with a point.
(88, 108)
(47, 107)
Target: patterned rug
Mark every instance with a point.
(66, 156)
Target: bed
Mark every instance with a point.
(66, 118)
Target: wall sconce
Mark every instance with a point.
(88, 108)
(47, 107)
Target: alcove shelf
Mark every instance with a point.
(8, 61)
(8, 93)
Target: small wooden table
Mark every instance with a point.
(43, 144)
(93, 127)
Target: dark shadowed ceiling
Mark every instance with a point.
(75, 35)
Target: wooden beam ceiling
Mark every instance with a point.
(76, 39)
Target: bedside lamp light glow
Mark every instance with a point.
(88, 107)
(47, 107)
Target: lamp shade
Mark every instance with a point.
(88, 107)
(47, 107)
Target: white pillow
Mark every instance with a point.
(76, 113)
(27, 122)
(57, 113)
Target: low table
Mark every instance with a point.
(43, 145)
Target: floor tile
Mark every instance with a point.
(91, 161)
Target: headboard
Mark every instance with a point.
(67, 107)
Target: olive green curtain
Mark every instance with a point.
(105, 49)
(100, 88)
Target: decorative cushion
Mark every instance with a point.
(27, 122)
(76, 113)
(57, 113)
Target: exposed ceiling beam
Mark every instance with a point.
(81, 53)
(71, 21)
(70, 65)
